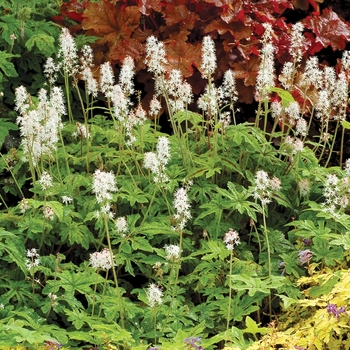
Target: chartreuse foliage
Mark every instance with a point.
(307, 323)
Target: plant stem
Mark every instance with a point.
(230, 292)
(121, 311)
(268, 254)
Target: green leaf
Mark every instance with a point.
(77, 317)
(286, 96)
(4, 130)
(73, 282)
(142, 244)
(7, 67)
(345, 124)
(44, 42)
(252, 327)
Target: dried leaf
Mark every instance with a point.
(183, 56)
(110, 22)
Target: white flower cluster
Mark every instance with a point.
(48, 213)
(179, 91)
(295, 144)
(231, 239)
(214, 99)
(155, 56)
(336, 192)
(304, 187)
(173, 252)
(23, 205)
(67, 53)
(182, 208)
(39, 127)
(208, 65)
(264, 187)
(136, 117)
(121, 225)
(34, 258)
(297, 42)
(67, 200)
(104, 184)
(154, 295)
(102, 260)
(266, 76)
(156, 162)
(81, 132)
(45, 181)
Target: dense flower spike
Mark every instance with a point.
(182, 208)
(297, 42)
(106, 79)
(67, 53)
(155, 56)
(266, 76)
(208, 65)
(104, 184)
(126, 76)
(156, 162)
(40, 127)
(264, 186)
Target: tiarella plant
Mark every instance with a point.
(125, 237)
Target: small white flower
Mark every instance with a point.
(66, 200)
(48, 213)
(23, 205)
(126, 76)
(86, 57)
(34, 258)
(173, 252)
(154, 107)
(304, 187)
(264, 186)
(154, 295)
(347, 167)
(163, 152)
(231, 239)
(50, 70)
(102, 260)
(82, 132)
(52, 296)
(121, 225)
(45, 181)
(32, 253)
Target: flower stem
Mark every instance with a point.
(121, 311)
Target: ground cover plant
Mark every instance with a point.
(218, 235)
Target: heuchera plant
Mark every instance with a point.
(236, 26)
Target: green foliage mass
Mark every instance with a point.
(287, 262)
